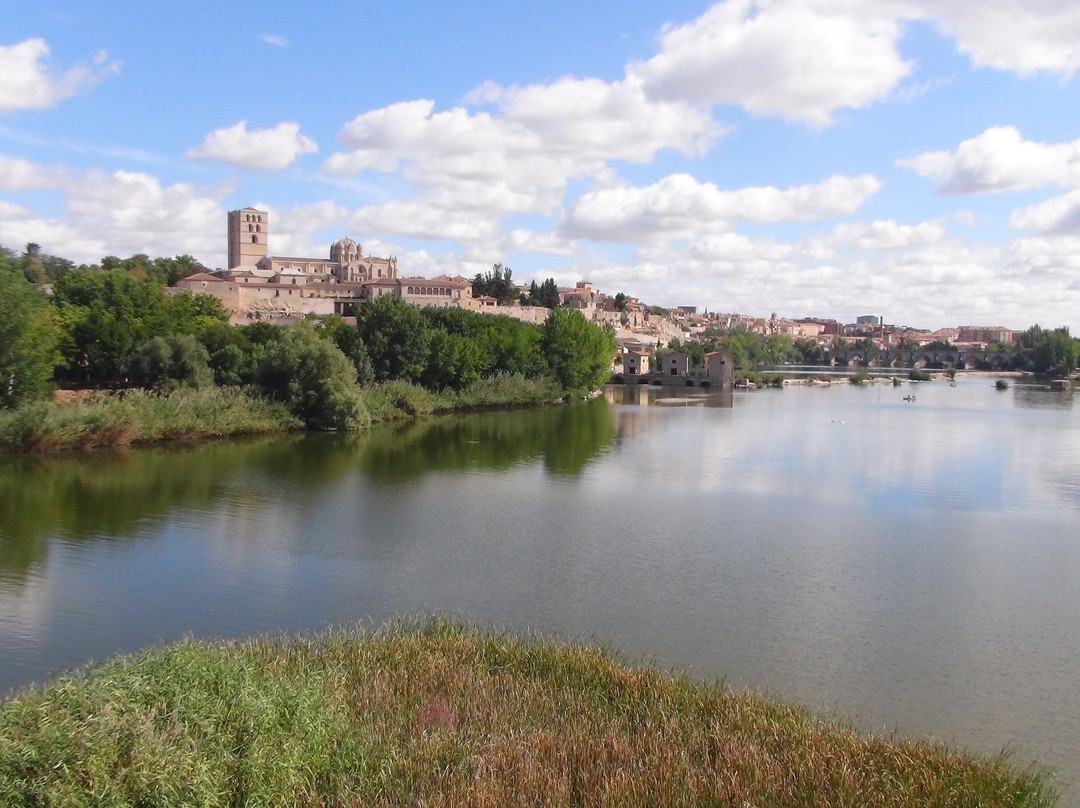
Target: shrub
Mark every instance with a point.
(314, 378)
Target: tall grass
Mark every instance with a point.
(140, 416)
(429, 712)
(502, 390)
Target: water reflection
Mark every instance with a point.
(645, 395)
(912, 564)
(122, 495)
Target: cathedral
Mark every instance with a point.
(250, 259)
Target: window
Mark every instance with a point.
(258, 228)
(254, 239)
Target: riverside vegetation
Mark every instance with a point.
(184, 371)
(431, 712)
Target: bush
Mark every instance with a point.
(314, 378)
(918, 375)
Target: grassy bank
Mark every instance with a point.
(431, 713)
(140, 416)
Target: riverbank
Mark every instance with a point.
(431, 712)
(136, 417)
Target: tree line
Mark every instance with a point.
(117, 326)
(1037, 350)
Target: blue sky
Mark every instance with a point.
(916, 159)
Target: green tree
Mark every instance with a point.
(453, 361)
(30, 336)
(746, 346)
(497, 284)
(178, 360)
(313, 378)
(808, 352)
(396, 337)
(578, 353)
(545, 294)
(620, 301)
(1046, 351)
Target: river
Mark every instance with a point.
(911, 565)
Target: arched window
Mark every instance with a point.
(258, 228)
(254, 239)
(251, 228)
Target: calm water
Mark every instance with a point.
(915, 566)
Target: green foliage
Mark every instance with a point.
(314, 378)
(108, 314)
(545, 294)
(348, 340)
(177, 360)
(861, 377)
(396, 337)
(746, 346)
(453, 361)
(30, 337)
(808, 352)
(139, 416)
(496, 284)
(398, 400)
(427, 711)
(918, 375)
(579, 353)
(620, 301)
(1041, 350)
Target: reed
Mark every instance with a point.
(501, 390)
(431, 712)
(140, 416)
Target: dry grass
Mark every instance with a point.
(431, 713)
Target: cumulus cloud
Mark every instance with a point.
(26, 82)
(887, 234)
(18, 174)
(1059, 214)
(1000, 160)
(1009, 35)
(525, 152)
(258, 150)
(798, 59)
(120, 213)
(679, 206)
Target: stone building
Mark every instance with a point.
(250, 258)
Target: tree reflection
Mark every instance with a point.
(125, 495)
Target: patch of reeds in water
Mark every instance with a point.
(140, 416)
(430, 712)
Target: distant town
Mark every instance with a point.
(258, 285)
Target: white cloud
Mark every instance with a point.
(886, 234)
(1059, 214)
(1000, 160)
(678, 206)
(27, 83)
(520, 157)
(277, 40)
(258, 150)
(1021, 35)
(799, 59)
(18, 174)
(121, 213)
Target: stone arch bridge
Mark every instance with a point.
(959, 358)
